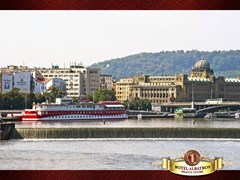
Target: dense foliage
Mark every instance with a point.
(16, 100)
(102, 95)
(224, 63)
(138, 104)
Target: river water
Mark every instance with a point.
(115, 154)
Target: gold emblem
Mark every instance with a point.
(192, 164)
(192, 158)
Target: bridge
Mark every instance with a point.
(228, 107)
(201, 107)
(11, 112)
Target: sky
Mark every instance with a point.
(43, 38)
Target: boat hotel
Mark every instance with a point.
(65, 109)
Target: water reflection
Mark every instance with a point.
(154, 122)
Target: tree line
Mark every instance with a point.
(16, 100)
(224, 63)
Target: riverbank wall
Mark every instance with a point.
(124, 132)
(6, 130)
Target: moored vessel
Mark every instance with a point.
(210, 116)
(65, 109)
(185, 113)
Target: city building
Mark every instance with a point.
(199, 85)
(27, 80)
(15, 79)
(158, 89)
(122, 88)
(41, 86)
(79, 80)
(106, 82)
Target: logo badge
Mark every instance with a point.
(192, 158)
(192, 164)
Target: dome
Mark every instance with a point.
(201, 65)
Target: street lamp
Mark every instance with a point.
(192, 96)
(26, 101)
(211, 91)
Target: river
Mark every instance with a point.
(115, 154)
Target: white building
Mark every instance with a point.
(43, 86)
(6, 82)
(22, 81)
(39, 86)
(59, 83)
(27, 80)
(15, 79)
(79, 80)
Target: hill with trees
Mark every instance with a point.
(224, 63)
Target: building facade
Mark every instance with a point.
(199, 85)
(15, 79)
(27, 80)
(122, 89)
(79, 80)
(106, 82)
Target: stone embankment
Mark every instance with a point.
(6, 130)
(124, 132)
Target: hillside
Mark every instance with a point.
(224, 63)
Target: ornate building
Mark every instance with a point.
(202, 70)
(199, 85)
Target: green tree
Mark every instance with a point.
(29, 99)
(224, 63)
(13, 100)
(52, 93)
(39, 98)
(1, 101)
(139, 104)
(75, 99)
(102, 95)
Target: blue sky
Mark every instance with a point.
(40, 38)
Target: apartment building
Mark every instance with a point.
(122, 88)
(106, 82)
(79, 80)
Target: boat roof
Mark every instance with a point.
(109, 102)
(114, 105)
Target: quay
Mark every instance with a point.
(6, 130)
(142, 116)
(124, 132)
